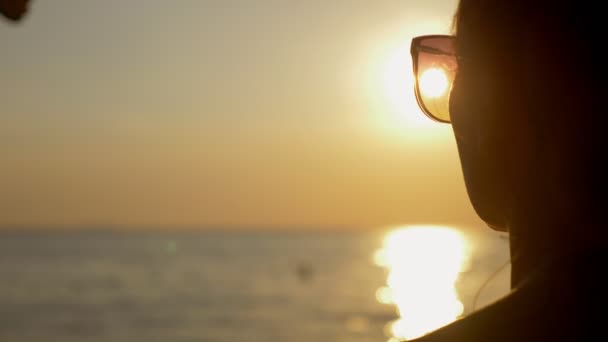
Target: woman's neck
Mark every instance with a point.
(534, 248)
(527, 257)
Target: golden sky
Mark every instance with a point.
(222, 113)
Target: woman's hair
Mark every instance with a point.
(547, 60)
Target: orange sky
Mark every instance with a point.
(222, 113)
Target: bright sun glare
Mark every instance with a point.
(433, 83)
(390, 89)
(423, 264)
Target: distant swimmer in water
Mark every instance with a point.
(304, 272)
(14, 10)
(527, 104)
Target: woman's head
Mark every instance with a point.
(527, 110)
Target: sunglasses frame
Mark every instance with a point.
(415, 50)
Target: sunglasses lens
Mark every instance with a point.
(435, 67)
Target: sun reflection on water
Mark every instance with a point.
(423, 264)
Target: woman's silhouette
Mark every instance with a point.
(528, 109)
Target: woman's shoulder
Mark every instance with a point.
(567, 301)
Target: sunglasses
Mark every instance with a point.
(435, 63)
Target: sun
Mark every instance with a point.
(388, 87)
(433, 83)
(391, 91)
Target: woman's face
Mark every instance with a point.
(475, 113)
(13, 9)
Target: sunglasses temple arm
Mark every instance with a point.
(434, 51)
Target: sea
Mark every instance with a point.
(227, 286)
